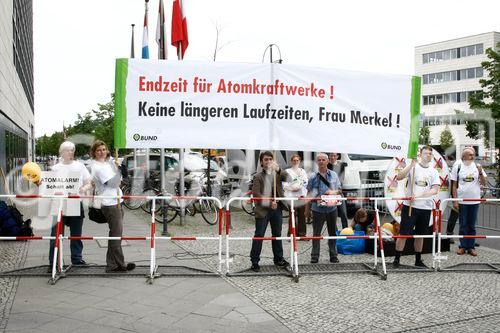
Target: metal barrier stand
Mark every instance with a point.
(439, 258)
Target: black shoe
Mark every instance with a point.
(309, 221)
(255, 268)
(116, 270)
(314, 260)
(80, 263)
(334, 260)
(130, 266)
(451, 241)
(396, 263)
(283, 263)
(420, 263)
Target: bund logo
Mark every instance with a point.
(138, 137)
(384, 146)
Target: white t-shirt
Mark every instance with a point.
(102, 172)
(297, 186)
(468, 182)
(425, 178)
(76, 167)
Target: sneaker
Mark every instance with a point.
(451, 241)
(130, 266)
(283, 263)
(460, 251)
(255, 268)
(334, 260)
(420, 263)
(80, 263)
(396, 263)
(473, 252)
(314, 260)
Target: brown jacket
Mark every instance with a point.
(263, 187)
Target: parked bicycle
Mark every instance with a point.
(172, 208)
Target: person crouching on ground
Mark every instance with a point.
(266, 210)
(360, 221)
(107, 178)
(423, 183)
(324, 182)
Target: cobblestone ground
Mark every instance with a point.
(12, 256)
(360, 302)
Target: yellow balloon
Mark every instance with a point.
(31, 172)
(388, 226)
(347, 231)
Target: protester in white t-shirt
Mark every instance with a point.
(423, 183)
(68, 164)
(467, 180)
(296, 187)
(107, 177)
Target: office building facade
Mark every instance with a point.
(450, 72)
(16, 85)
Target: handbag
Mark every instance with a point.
(95, 212)
(96, 215)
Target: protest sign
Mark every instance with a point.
(59, 183)
(161, 104)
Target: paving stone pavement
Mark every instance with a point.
(348, 302)
(12, 256)
(360, 302)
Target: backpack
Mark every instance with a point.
(12, 222)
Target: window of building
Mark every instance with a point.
(439, 99)
(449, 54)
(479, 48)
(22, 46)
(479, 72)
(16, 150)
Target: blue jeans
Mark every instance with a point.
(274, 217)
(75, 224)
(467, 219)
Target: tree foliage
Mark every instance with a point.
(446, 139)
(425, 136)
(488, 98)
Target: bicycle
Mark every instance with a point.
(208, 209)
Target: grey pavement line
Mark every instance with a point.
(450, 322)
(237, 287)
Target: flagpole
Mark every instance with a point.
(179, 36)
(132, 46)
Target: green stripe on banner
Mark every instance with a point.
(121, 72)
(415, 116)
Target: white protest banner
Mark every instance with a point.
(59, 183)
(160, 104)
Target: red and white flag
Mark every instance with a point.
(179, 27)
(161, 33)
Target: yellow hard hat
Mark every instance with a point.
(347, 231)
(388, 226)
(31, 172)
